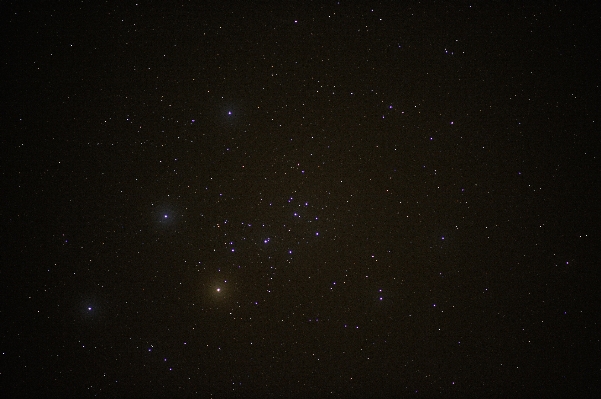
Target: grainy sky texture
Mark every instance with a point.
(300, 199)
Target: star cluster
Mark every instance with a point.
(301, 200)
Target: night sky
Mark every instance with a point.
(300, 199)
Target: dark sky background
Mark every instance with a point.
(300, 199)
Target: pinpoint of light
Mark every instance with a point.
(165, 216)
(218, 289)
(317, 233)
(229, 112)
(89, 308)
